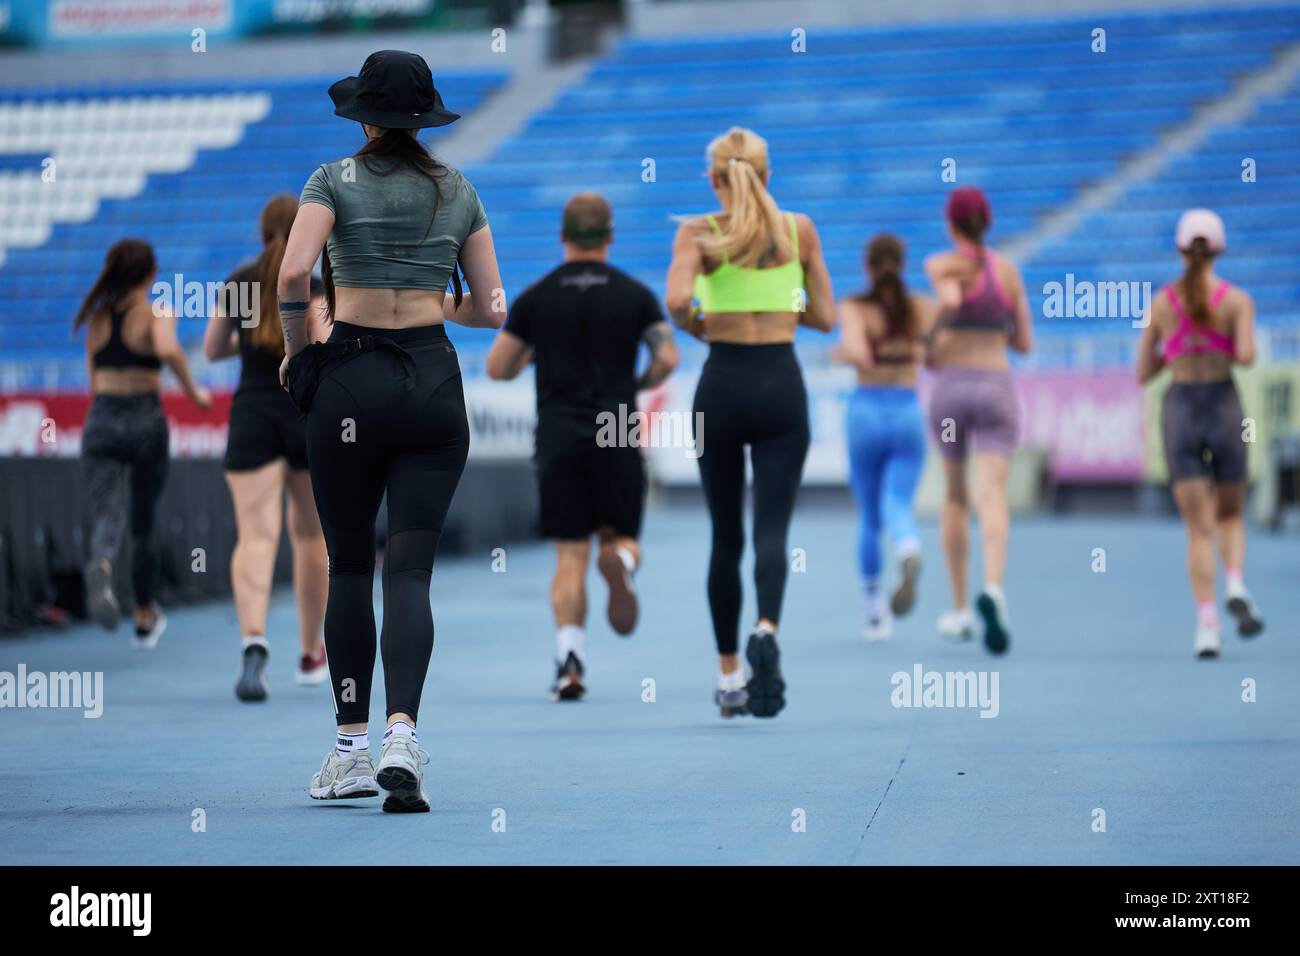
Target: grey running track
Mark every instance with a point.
(1101, 706)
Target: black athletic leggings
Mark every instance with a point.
(125, 456)
(749, 395)
(383, 421)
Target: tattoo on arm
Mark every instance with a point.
(657, 335)
(293, 317)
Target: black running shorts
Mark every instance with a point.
(585, 488)
(265, 426)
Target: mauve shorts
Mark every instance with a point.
(966, 402)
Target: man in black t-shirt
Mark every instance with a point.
(582, 325)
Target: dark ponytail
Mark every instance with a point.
(1192, 284)
(128, 263)
(884, 259)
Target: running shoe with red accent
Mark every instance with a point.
(312, 669)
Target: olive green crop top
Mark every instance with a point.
(382, 236)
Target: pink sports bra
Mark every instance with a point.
(986, 307)
(1193, 339)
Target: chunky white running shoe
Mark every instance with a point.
(1207, 642)
(1241, 607)
(957, 625)
(345, 778)
(399, 773)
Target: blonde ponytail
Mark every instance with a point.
(755, 232)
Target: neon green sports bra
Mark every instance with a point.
(731, 288)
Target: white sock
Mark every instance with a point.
(628, 560)
(995, 592)
(573, 638)
(764, 629)
(347, 743)
(256, 640)
(402, 729)
(1235, 580)
(907, 548)
(733, 681)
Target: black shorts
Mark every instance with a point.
(265, 426)
(585, 488)
(1202, 428)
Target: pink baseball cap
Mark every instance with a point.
(966, 200)
(1200, 224)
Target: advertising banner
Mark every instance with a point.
(1091, 425)
(53, 23)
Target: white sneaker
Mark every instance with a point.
(399, 773)
(1241, 607)
(957, 625)
(878, 628)
(345, 778)
(1207, 643)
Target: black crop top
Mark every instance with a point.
(258, 367)
(115, 353)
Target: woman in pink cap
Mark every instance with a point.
(1198, 327)
(982, 311)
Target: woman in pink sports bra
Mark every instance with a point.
(983, 311)
(1199, 327)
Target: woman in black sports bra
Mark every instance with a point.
(266, 459)
(124, 444)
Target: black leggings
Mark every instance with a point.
(749, 395)
(381, 421)
(125, 456)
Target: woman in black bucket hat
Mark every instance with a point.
(383, 399)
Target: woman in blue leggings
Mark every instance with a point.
(882, 331)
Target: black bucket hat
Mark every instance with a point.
(395, 90)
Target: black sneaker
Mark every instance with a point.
(568, 680)
(1241, 607)
(766, 687)
(252, 684)
(146, 638)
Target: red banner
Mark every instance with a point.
(37, 424)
